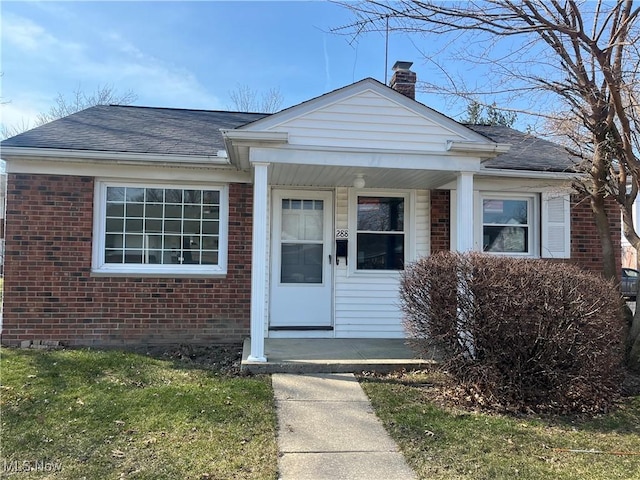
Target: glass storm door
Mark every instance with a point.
(301, 267)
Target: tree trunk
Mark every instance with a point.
(609, 266)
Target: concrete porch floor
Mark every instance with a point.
(334, 355)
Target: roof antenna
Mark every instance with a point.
(386, 50)
(362, 26)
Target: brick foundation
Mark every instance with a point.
(49, 292)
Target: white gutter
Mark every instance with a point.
(500, 172)
(245, 137)
(82, 155)
(238, 142)
(492, 149)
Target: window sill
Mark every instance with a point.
(512, 254)
(156, 274)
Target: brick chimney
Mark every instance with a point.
(403, 79)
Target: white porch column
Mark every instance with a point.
(464, 212)
(259, 261)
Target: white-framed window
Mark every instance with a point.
(509, 224)
(381, 231)
(160, 229)
(535, 224)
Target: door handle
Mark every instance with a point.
(329, 259)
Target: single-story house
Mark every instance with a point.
(129, 225)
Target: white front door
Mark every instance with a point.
(301, 270)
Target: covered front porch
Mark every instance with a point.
(341, 202)
(335, 355)
(347, 320)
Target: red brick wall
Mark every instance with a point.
(586, 249)
(49, 292)
(440, 214)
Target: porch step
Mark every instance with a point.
(334, 355)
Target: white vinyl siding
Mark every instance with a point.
(367, 120)
(342, 199)
(367, 303)
(422, 223)
(367, 307)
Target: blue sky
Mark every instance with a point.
(185, 54)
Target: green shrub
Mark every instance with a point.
(517, 333)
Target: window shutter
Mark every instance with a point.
(556, 225)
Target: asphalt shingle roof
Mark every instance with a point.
(136, 130)
(527, 152)
(170, 131)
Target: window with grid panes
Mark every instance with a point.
(159, 228)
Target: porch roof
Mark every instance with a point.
(332, 176)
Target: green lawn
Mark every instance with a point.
(446, 443)
(115, 415)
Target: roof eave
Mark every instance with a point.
(252, 138)
(237, 143)
(485, 150)
(7, 153)
(513, 173)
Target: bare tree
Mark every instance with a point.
(478, 113)
(22, 125)
(245, 99)
(581, 56)
(78, 100)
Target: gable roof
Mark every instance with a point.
(170, 131)
(117, 128)
(527, 152)
(385, 93)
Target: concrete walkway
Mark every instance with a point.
(327, 430)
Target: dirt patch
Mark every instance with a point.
(224, 359)
(441, 389)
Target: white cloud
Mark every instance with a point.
(23, 33)
(150, 77)
(39, 61)
(30, 38)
